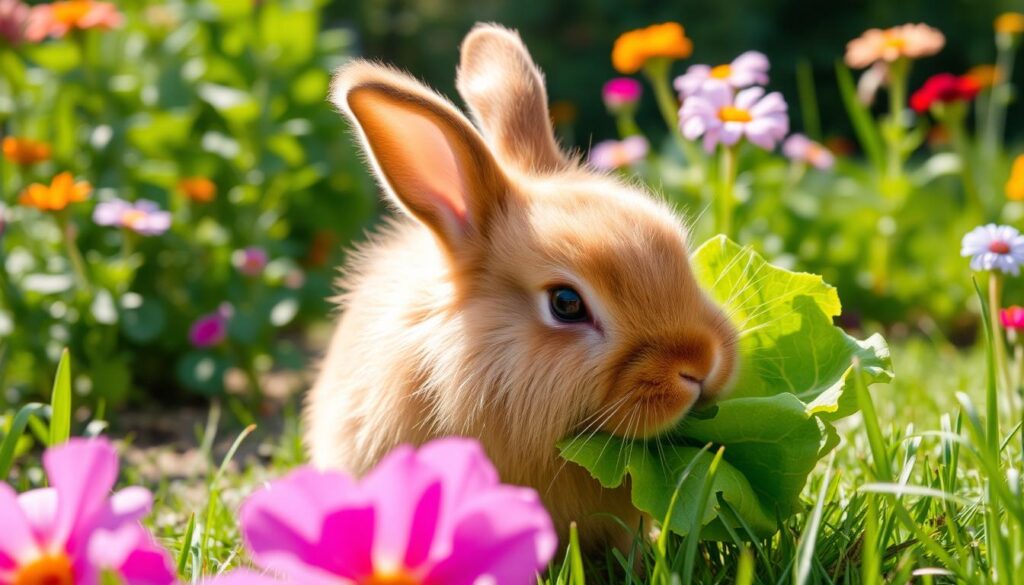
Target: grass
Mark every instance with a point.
(919, 490)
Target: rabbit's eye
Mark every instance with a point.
(567, 305)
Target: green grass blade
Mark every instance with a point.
(693, 537)
(808, 540)
(186, 545)
(879, 452)
(575, 559)
(60, 402)
(863, 123)
(14, 434)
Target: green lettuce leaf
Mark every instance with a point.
(776, 423)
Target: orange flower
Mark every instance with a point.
(634, 48)
(59, 18)
(1009, 23)
(1015, 184)
(58, 195)
(199, 189)
(25, 151)
(911, 41)
(984, 75)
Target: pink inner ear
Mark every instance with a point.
(421, 166)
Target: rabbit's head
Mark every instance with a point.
(572, 289)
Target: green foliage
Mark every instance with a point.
(775, 425)
(229, 91)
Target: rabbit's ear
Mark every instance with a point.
(426, 154)
(505, 91)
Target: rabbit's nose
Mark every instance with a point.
(692, 383)
(690, 378)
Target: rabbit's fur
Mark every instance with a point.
(446, 327)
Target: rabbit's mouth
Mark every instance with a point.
(654, 407)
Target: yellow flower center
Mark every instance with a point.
(398, 577)
(734, 114)
(132, 217)
(48, 570)
(721, 71)
(71, 12)
(894, 41)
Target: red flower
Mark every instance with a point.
(944, 88)
(1012, 318)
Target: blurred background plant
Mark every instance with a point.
(176, 193)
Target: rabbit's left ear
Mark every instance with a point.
(505, 92)
(431, 161)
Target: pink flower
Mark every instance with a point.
(910, 41)
(13, 19)
(211, 329)
(802, 149)
(621, 94)
(143, 217)
(723, 118)
(74, 530)
(250, 261)
(59, 18)
(615, 154)
(436, 516)
(750, 68)
(1012, 318)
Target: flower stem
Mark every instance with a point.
(995, 302)
(657, 72)
(67, 232)
(898, 71)
(726, 200)
(999, 98)
(626, 124)
(958, 135)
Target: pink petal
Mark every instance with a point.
(747, 98)
(503, 536)
(309, 526)
(731, 133)
(82, 471)
(243, 577)
(130, 552)
(126, 506)
(17, 539)
(407, 499)
(40, 508)
(772, 103)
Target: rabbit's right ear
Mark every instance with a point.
(426, 154)
(505, 90)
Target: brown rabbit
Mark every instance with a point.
(521, 298)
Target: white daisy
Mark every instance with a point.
(994, 247)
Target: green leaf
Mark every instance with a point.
(14, 434)
(775, 425)
(60, 402)
(787, 340)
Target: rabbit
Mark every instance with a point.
(518, 296)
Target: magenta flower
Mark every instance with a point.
(73, 531)
(723, 118)
(211, 329)
(436, 516)
(142, 217)
(250, 261)
(615, 154)
(621, 94)
(750, 68)
(802, 149)
(1012, 318)
(14, 16)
